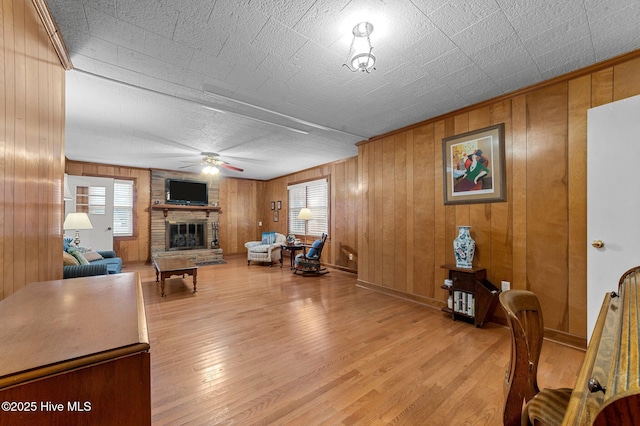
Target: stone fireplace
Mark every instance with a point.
(184, 231)
(186, 235)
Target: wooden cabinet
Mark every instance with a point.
(75, 352)
(474, 297)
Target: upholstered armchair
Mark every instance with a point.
(268, 250)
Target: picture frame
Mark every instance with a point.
(279, 205)
(473, 165)
(273, 205)
(276, 216)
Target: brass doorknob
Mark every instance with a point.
(598, 243)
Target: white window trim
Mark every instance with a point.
(123, 209)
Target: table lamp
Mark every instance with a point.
(77, 221)
(306, 215)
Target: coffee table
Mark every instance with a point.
(167, 267)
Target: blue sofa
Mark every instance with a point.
(109, 264)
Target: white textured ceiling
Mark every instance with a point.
(146, 69)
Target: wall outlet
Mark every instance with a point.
(350, 256)
(259, 223)
(506, 285)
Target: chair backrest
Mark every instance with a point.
(632, 276)
(526, 325)
(316, 248)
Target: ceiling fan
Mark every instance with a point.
(211, 162)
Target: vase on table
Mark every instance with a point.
(464, 247)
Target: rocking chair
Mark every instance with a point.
(309, 263)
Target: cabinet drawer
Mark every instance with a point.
(463, 281)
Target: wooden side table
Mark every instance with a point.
(474, 297)
(292, 249)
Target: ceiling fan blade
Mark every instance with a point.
(227, 166)
(189, 165)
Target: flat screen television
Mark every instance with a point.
(187, 192)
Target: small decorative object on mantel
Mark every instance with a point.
(464, 248)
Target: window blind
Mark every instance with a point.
(313, 195)
(97, 200)
(123, 208)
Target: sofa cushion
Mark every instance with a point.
(92, 255)
(114, 264)
(262, 248)
(68, 260)
(83, 271)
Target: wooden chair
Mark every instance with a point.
(547, 406)
(308, 263)
(631, 276)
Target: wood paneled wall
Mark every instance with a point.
(536, 239)
(136, 248)
(239, 201)
(237, 217)
(244, 203)
(32, 86)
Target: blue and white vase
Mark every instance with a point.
(464, 248)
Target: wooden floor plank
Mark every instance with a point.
(259, 345)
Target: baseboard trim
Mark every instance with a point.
(427, 301)
(551, 335)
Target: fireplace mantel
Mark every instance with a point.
(166, 207)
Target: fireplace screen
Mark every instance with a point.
(186, 235)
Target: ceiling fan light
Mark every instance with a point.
(210, 170)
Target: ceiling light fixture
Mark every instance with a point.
(360, 57)
(210, 170)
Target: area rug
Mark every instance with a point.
(213, 262)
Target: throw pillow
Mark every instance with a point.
(268, 237)
(68, 260)
(313, 251)
(67, 242)
(92, 255)
(81, 259)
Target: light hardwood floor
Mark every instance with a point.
(259, 345)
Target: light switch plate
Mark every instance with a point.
(506, 285)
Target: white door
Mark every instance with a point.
(93, 195)
(613, 201)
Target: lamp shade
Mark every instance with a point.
(77, 221)
(305, 214)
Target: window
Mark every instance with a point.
(91, 199)
(315, 196)
(122, 208)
